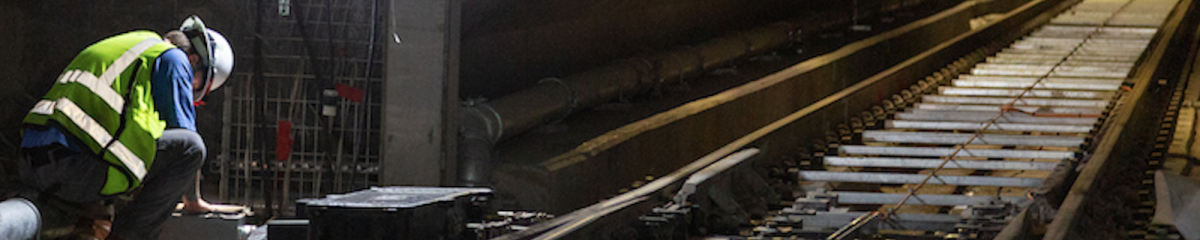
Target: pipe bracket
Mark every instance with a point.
(616, 74)
(499, 123)
(572, 100)
(699, 65)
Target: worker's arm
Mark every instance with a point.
(171, 86)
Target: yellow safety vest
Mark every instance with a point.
(105, 92)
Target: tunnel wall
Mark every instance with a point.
(509, 45)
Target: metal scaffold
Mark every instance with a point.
(300, 121)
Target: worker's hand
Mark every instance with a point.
(198, 206)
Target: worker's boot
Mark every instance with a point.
(95, 222)
(59, 219)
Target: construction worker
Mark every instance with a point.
(119, 124)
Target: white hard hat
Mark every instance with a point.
(216, 55)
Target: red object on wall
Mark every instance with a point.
(348, 92)
(283, 141)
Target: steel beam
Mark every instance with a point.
(1023, 101)
(996, 108)
(1085, 49)
(946, 151)
(1020, 68)
(944, 138)
(1061, 56)
(1131, 42)
(1090, 29)
(1051, 40)
(903, 221)
(1049, 79)
(902, 178)
(1106, 33)
(979, 116)
(1036, 61)
(976, 126)
(1072, 44)
(1055, 73)
(1024, 82)
(919, 199)
(1080, 50)
(893, 162)
(1101, 35)
(1064, 43)
(1013, 92)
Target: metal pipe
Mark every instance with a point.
(553, 99)
(479, 126)
(366, 84)
(20, 219)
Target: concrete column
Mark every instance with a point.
(421, 92)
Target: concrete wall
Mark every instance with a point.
(421, 80)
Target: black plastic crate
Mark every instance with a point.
(395, 213)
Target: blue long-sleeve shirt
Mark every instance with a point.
(171, 88)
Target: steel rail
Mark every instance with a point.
(1067, 222)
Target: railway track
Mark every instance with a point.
(963, 159)
(994, 137)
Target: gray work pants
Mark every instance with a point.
(64, 180)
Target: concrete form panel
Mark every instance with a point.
(420, 84)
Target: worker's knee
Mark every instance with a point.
(182, 143)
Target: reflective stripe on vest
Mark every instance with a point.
(102, 86)
(117, 67)
(105, 91)
(97, 132)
